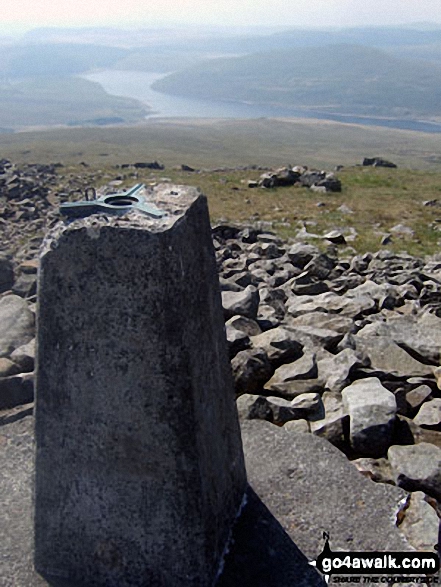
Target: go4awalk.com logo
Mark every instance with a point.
(363, 567)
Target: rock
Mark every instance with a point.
(244, 303)
(385, 355)
(336, 237)
(371, 408)
(350, 304)
(378, 470)
(309, 403)
(429, 415)
(377, 162)
(332, 422)
(407, 432)
(314, 338)
(8, 368)
(246, 325)
(328, 492)
(24, 356)
(303, 368)
(253, 407)
(417, 396)
(420, 523)
(237, 340)
(402, 230)
(417, 467)
(419, 335)
(335, 322)
(300, 254)
(279, 344)
(251, 369)
(282, 411)
(297, 426)
(6, 274)
(17, 324)
(16, 390)
(336, 369)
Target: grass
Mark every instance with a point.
(379, 198)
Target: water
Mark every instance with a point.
(137, 84)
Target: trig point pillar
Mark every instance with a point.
(139, 464)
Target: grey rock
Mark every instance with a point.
(251, 369)
(333, 421)
(237, 340)
(297, 426)
(335, 370)
(280, 345)
(305, 284)
(371, 408)
(16, 390)
(24, 356)
(320, 266)
(336, 237)
(429, 415)
(310, 403)
(316, 337)
(244, 324)
(253, 407)
(417, 467)
(421, 335)
(282, 411)
(351, 304)
(415, 397)
(336, 322)
(8, 367)
(329, 493)
(244, 303)
(407, 432)
(25, 285)
(378, 470)
(303, 368)
(17, 324)
(294, 388)
(6, 274)
(300, 254)
(420, 523)
(385, 355)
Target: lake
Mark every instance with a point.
(137, 84)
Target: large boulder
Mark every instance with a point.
(242, 303)
(311, 487)
(372, 409)
(6, 274)
(280, 345)
(17, 324)
(417, 467)
(16, 390)
(251, 370)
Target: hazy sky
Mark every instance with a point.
(25, 14)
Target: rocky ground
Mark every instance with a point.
(343, 347)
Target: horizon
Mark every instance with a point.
(26, 15)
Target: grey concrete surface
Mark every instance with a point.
(139, 462)
(260, 554)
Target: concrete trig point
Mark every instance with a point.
(139, 465)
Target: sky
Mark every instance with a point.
(21, 15)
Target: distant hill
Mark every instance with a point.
(35, 60)
(347, 79)
(64, 101)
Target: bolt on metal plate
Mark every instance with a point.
(118, 204)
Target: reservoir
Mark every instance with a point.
(137, 84)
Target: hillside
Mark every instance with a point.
(63, 101)
(347, 79)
